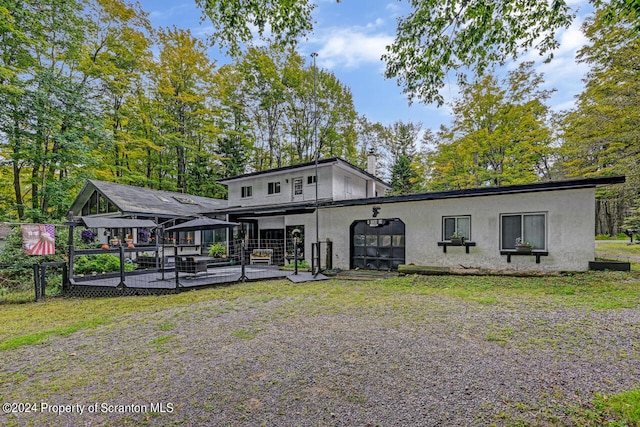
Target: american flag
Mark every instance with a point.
(40, 240)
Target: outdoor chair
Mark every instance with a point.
(190, 265)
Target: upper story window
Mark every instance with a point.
(273, 187)
(530, 227)
(458, 225)
(311, 179)
(246, 191)
(297, 186)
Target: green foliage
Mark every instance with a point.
(400, 143)
(217, 250)
(500, 134)
(403, 176)
(101, 263)
(617, 410)
(436, 38)
(234, 20)
(302, 264)
(632, 221)
(601, 134)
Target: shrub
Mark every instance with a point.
(103, 263)
(217, 250)
(301, 264)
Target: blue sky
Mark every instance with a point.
(350, 38)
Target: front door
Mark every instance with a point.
(296, 190)
(377, 244)
(273, 238)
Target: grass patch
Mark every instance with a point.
(245, 334)
(33, 323)
(618, 410)
(619, 248)
(39, 337)
(167, 326)
(161, 340)
(502, 335)
(16, 297)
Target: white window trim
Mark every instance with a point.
(293, 183)
(241, 191)
(275, 193)
(456, 217)
(522, 214)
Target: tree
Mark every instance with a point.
(438, 37)
(262, 82)
(234, 140)
(500, 134)
(48, 117)
(400, 145)
(118, 53)
(435, 38)
(233, 20)
(183, 78)
(287, 104)
(370, 138)
(602, 135)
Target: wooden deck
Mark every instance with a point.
(157, 282)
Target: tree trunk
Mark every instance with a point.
(610, 215)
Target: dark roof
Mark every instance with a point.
(304, 165)
(145, 202)
(203, 223)
(269, 210)
(569, 184)
(104, 222)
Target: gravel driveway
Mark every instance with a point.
(411, 360)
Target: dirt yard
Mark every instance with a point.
(401, 352)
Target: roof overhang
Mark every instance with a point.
(249, 213)
(306, 166)
(107, 222)
(569, 184)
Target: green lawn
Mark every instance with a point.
(619, 248)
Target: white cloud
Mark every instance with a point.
(352, 47)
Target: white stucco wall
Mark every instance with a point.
(570, 227)
(358, 185)
(331, 185)
(260, 187)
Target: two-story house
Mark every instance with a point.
(335, 201)
(271, 204)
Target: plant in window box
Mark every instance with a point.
(522, 246)
(457, 239)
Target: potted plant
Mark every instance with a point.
(218, 250)
(143, 235)
(523, 246)
(457, 239)
(88, 236)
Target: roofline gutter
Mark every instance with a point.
(484, 191)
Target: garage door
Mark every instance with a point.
(377, 244)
